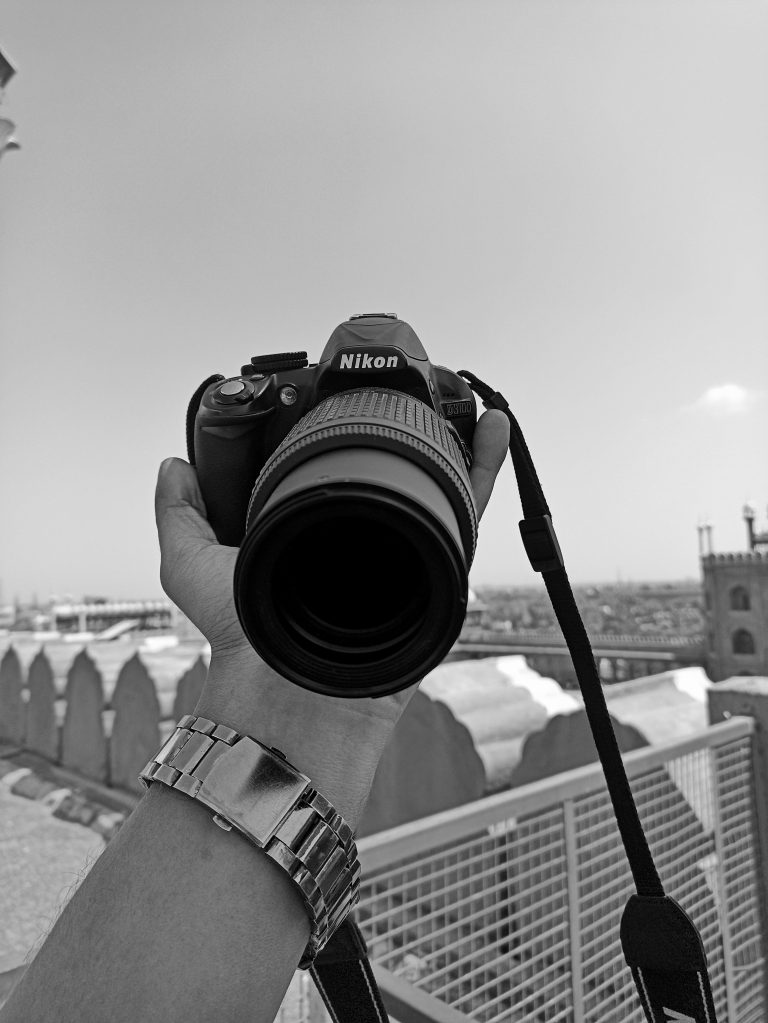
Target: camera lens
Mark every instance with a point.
(352, 577)
(329, 612)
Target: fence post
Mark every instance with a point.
(574, 919)
(749, 696)
(11, 704)
(720, 887)
(83, 743)
(136, 728)
(42, 731)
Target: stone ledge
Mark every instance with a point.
(113, 799)
(11, 969)
(743, 684)
(15, 776)
(76, 809)
(32, 786)
(68, 797)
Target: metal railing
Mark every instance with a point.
(508, 909)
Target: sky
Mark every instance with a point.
(567, 198)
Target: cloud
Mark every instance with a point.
(725, 400)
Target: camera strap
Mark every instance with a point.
(661, 945)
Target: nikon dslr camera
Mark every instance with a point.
(345, 484)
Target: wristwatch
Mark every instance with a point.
(253, 789)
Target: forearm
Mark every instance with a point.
(179, 920)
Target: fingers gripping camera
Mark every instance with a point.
(345, 484)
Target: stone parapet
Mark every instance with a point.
(736, 557)
(555, 638)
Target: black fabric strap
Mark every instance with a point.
(544, 552)
(661, 944)
(644, 871)
(343, 976)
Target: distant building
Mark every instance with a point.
(7, 71)
(101, 615)
(7, 139)
(736, 604)
(475, 617)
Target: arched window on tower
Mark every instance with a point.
(740, 599)
(743, 642)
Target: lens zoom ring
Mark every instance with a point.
(289, 448)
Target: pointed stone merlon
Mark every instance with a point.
(189, 688)
(12, 710)
(136, 729)
(83, 742)
(42, 732)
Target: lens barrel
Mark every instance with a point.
(352, 578)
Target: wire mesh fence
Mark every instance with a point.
(508, 909)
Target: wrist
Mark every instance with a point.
(333, 742)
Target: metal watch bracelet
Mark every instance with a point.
(253, 789)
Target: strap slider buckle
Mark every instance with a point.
(540, 542)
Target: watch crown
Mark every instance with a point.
(224, 825)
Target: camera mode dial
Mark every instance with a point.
(277, 363)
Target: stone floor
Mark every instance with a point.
(42, 860)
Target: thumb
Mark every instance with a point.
(489, 452)
(179, 509)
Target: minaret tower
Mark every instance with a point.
(736, 599)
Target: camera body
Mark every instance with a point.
(238, 422)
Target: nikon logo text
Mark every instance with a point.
(368, 360)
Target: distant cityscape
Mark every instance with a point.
(636, 629)
(627, 609)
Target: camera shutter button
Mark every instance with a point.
(233, 392)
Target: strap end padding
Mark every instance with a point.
(657, 934)
(669, 966)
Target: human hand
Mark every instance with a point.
(241, 690)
